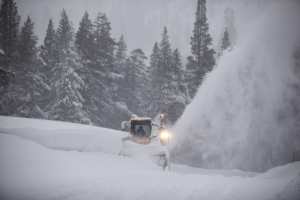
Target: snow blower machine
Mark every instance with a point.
(147, 139)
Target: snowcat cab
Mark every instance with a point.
(141, 129)
(142, 140)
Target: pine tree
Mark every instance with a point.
(189, 76)
(165, 60)
(178, 89)
(49, 51)
(121, 53)
(154, 59)
(84, 37)
(48, 61)
(225, 41)
(129, 83)
(156, 69)
(100, 82)
(229, 35)
(121, 65)
(165, 65)
(137, 82)
(162, 74)
(104, 44)
(27, 43)
(177, 67)
(64, 35)
(103, 51)
(203, 55)
(230, 25)
(156, 81)
(68, 85)
(180, 75)
(166, 74)
(29, 87)
(9, 26)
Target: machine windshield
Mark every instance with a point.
(141, 128)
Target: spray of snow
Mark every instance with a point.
(243, 115)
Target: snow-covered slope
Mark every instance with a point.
(64, 136)
(245, 114)
(29, 170)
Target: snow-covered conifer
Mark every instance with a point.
(225, 41)
(84, 37)
(202, 54)
(67, 83)
(9, 26)
(27, 43)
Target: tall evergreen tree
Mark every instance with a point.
(100, 78)
(121, 67)
(64, 34)
(68, 85)
(165, 65)
(104, 43)
(189, 77)
(49, 51)
(121, 52)
(178, 71)
(84, 37)
(168, 90)
(48, 60)
(28, 68)
(137, 82)
(27, 43)
(225, 41)
(154, 60)
(156, 81)
(202, 54)
(9, 26)
(230, 25)
(68, 104)
(178, 89)
(180, 75)
(103, 51)
(165, 60)
(29, 87)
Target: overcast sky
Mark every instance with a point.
(141, 21)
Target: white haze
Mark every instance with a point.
(243, 115)
(142, 21)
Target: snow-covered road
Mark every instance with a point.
(53, 160)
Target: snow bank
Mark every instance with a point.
(31, 171)
(244, 115)
(62, 135)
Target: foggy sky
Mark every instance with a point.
(141, 21)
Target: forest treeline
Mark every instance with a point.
(87, 76)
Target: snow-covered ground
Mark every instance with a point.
(63, 135)
(54, 160)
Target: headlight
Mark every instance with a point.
(165, 136)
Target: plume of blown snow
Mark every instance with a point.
(245, 114)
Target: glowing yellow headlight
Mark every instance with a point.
(165, 136)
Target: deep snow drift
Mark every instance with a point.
(29, 170)
(244, 115)
(63, 135)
